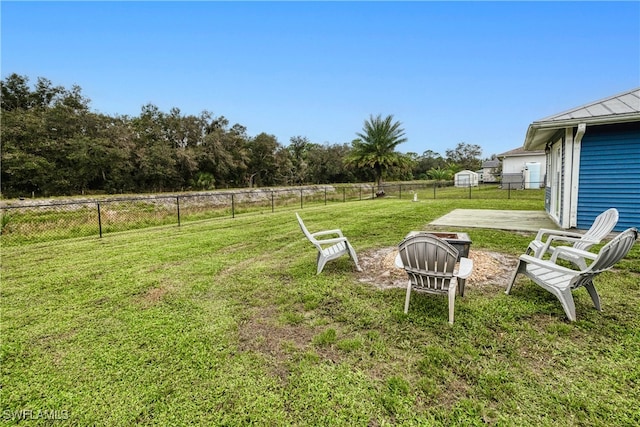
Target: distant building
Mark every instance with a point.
(466, 179)
(593, 161)
(489, 172)
(517, 168)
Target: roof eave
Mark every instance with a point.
(539, 132)
(525, 154)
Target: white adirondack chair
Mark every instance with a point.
(329, 249)
(601, 227)
(430, 264)
(561, 281)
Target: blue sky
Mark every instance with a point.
(451, 72)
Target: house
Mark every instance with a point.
(517, 168)
(593, 161)
(489, 172)
(466, 178)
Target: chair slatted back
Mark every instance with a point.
(305, 231)
(602, 225)
(608, 256)
(428, 261)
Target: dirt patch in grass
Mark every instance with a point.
(262, 333)
(489, 269)
(280, 343)
(152, 297)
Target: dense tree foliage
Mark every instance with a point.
(465, 156)
(53, 144)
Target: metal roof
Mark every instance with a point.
(491, 163)
(621, 108)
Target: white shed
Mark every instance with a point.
(466, 178)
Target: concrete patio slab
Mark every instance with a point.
(501, 220)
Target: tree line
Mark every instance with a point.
(54, 144)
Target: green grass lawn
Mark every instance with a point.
(224, 322)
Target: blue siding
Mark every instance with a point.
(610, 177)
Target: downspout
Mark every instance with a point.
(575, 174)
(582, 128)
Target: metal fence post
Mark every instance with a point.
(99, 220)
(344, 194)
(509, 191)
(325, 196)
(233, 207)
(178, 206)
(272, 203)
(435, 184)
(399, 191)
(301, 198)
(469, 190)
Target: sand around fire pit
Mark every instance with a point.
(489, 268)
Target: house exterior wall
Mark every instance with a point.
(516, 164)
(589, 176)
(513, 169)
(609, 175)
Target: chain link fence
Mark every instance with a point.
(29, 221)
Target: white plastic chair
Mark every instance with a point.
(561, 281)
(329, 249)
(430, 264)
(601, 227)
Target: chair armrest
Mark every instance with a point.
(570, 250)
(566, 239)
(398, 261)
(332, 241)
(465, 268)
(325, 232)
(528, 259)
(550, 232)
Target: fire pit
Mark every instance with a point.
(460, 241)
(489, 269)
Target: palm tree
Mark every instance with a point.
(438, 174)
(376, 147)
(205, 181)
